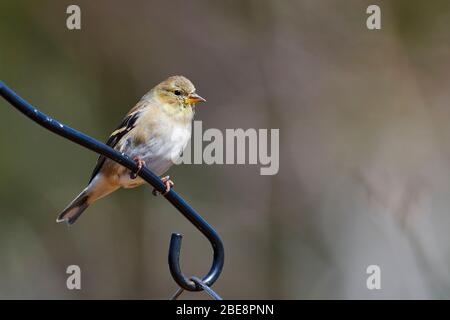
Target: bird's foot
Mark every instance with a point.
(168, 183)
(140, 163)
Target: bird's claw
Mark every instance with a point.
(140, 163)
(167, 182)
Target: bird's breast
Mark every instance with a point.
(158, 146)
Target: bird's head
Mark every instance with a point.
(177, 95)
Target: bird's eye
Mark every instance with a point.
(177, 92)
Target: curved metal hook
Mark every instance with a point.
(101, 148)
(218, 259)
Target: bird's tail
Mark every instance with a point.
(75, 208)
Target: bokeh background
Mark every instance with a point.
(364, 147)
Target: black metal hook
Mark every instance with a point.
(188, 212)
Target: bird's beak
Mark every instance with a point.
(194, 98)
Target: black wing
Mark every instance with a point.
(125, 126)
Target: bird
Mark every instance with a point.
(154, 133)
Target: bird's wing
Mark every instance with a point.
(127, 124)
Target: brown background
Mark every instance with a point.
(364, 147)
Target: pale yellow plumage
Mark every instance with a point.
(155, 132)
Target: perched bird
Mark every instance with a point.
(154, 133)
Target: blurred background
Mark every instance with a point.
(364, 147)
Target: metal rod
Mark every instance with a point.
(188, 212)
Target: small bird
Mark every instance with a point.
(154, 133)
